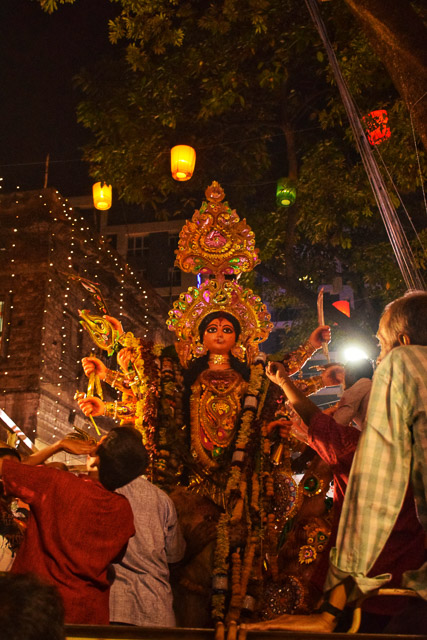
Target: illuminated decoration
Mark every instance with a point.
(81, 239)
(216, 241)
(183, 160)
(102, 196)
(376, 126)
(343, 306)
(286, 192)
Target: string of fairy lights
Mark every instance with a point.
(93, 253)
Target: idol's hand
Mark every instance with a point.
(283, 425)
(116, 324)
(333, 375)
(124, 357)
(94, 365)
(320, 335)
(91, 406)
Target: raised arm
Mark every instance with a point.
(70, 445)
(305, 408)
(295, 360)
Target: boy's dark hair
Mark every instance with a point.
(122, 457)
(29, 609)
(353, 371)
(7, 451)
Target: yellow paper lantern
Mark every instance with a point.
(183, 159)
(102, 196)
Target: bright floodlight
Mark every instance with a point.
(354, 353)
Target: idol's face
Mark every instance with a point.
(219, 336)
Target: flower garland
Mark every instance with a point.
(249, 411)
(237, 487)
(170, 423)
(220, 571)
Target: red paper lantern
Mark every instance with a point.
(376, 126)
(343, 306)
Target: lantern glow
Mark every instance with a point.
(286, 192)
(376, 126)
(183, 160)
(102, 196)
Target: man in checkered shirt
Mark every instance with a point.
(392, 453)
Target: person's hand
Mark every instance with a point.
(91, 406)
(320, 335)
(333, 375)
(94, 365)
(77, 447)
(276, 372)
(116, 324)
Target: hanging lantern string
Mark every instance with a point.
(399, 242)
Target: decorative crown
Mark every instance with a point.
(216, 241)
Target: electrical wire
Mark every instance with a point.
(399, 242)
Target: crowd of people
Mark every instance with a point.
(105, 540)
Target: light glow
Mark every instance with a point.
(354, 353)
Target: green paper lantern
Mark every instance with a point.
(286, 192)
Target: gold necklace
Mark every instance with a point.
(217, 358)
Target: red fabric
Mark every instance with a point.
(76, 528)
(336, 445)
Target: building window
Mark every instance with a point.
(137, 246)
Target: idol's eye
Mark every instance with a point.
(228, 330)
(212, 329)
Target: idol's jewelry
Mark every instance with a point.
(217, 358)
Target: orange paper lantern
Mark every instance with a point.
(102, 196)
(183, 159)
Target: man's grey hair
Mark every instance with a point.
(408, 315)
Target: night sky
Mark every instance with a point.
(39, 55)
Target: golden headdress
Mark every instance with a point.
(217, 243)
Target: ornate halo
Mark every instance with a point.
(194, 305)
(216, 241)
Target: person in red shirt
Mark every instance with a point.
(78, 526)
